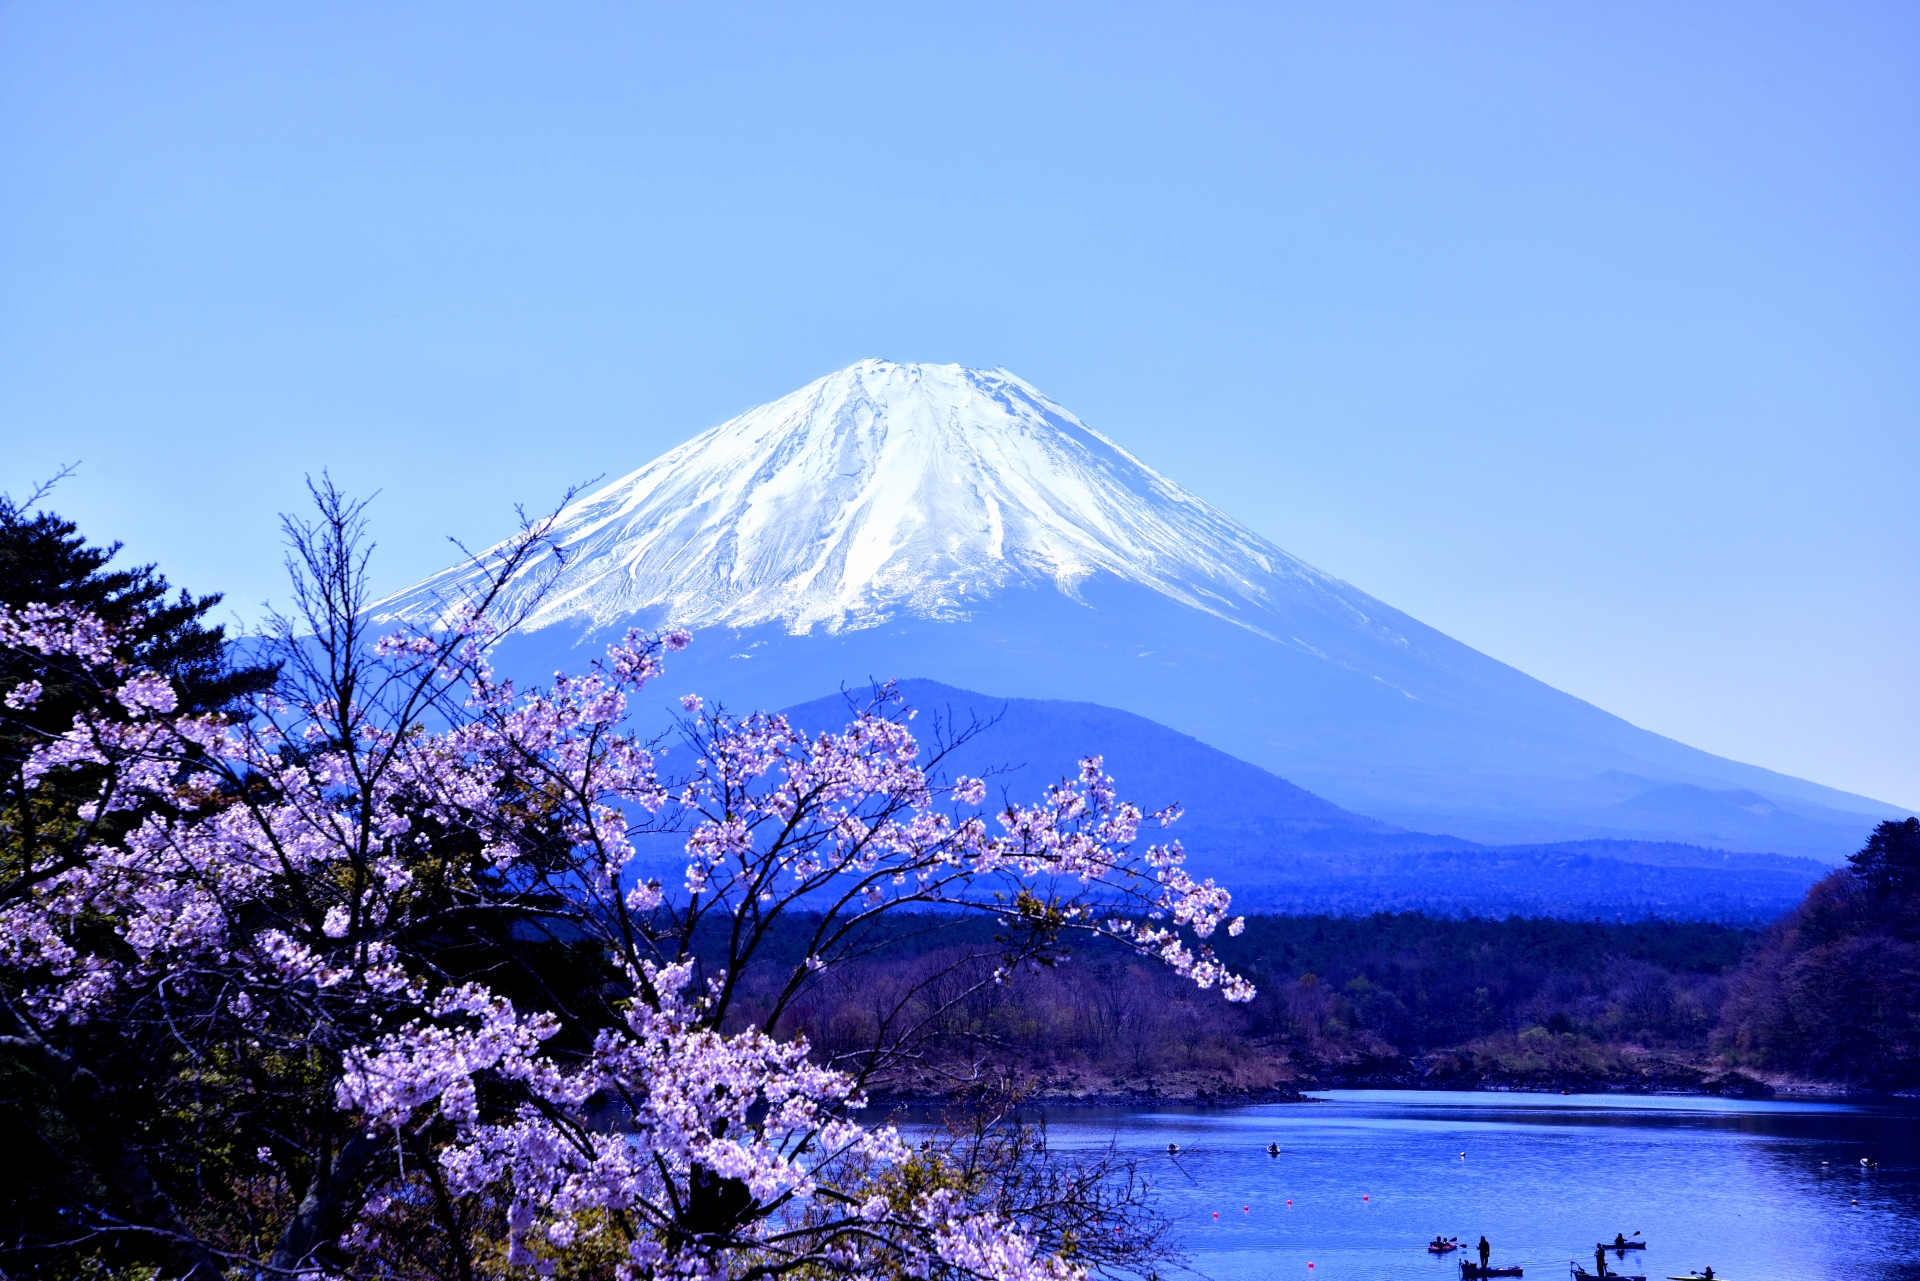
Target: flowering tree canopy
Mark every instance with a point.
(395, 919)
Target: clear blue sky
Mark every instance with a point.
(1584, 332)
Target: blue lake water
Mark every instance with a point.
(1374, 1174)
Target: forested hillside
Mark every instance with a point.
(1388, 999)
(1827, 999)
(1834, 989)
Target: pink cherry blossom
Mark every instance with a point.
(273, 869)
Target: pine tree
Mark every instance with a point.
(45, 560)
(1889, 862)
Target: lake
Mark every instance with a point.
(1372, 1175)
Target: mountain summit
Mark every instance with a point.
(897, 520)
(887, 489)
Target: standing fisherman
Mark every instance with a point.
(1486, 1251)
(1600, 1261)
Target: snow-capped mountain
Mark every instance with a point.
(882, 490)
(897, 520)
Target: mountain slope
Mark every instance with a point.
(887, 490)
(1279, 847)
(1020, 745)
(915, 520)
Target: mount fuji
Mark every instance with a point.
(932, 521)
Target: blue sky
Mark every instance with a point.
(1586, 333)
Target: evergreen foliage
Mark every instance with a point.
(1889, 863)
(45, 560)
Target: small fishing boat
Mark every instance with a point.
(1708, 1275)
(1623, 1245)
(1470, 1271)
(1581, 1274)
(1442, 1247)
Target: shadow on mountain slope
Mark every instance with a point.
(1281, 848)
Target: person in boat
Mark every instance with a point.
(1600, 1260)
(1619, 1242)
(1486, 1251)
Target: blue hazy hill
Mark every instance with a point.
(1279, 847)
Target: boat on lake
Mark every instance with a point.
(1470, 1271)
(1581, 1274)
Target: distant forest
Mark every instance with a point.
(1828, 997)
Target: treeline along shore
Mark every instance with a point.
(1826, 1000)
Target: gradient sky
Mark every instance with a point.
(1586, 333)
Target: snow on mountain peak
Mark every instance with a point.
(878, 490)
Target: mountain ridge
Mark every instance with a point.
(1277, 846)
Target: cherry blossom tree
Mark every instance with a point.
(393, 931)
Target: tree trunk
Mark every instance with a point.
(321, 1216)
(716, 1206)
